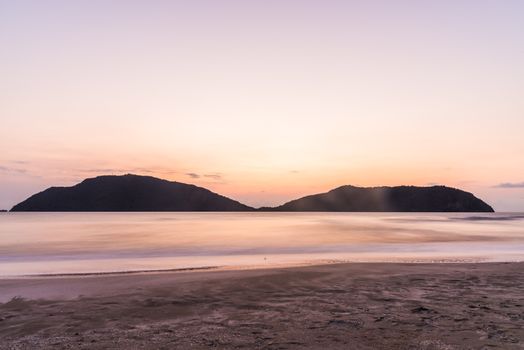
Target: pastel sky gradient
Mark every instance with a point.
(264, 101)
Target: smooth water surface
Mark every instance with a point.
(55, 243)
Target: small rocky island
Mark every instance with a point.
(146, 193)
(389, 199)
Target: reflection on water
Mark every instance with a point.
(36, 243)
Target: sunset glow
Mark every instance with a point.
(264, 101)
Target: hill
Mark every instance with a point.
(389, 199)
(146, 193)
(129, 193)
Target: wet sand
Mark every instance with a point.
(338, 306)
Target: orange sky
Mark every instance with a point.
(264, 101)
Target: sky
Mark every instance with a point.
(264, 101)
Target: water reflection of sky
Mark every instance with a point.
(53, 242)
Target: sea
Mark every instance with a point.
(50, 244)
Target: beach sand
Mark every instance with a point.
(337, 306)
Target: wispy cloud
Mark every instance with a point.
(105, 171)
(6, 169)
(511, 185)
(213, 176)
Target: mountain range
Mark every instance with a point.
(145, 193)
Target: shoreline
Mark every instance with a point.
(319, 262)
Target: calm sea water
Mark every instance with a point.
(54, 243)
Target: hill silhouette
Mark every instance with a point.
(145, 193)
(389, 199)
(129, 193)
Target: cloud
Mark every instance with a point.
(5, 169)
(106, 171)
(103, 171)
(213, 176)
(511, 185)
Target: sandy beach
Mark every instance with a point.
(338, 306)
